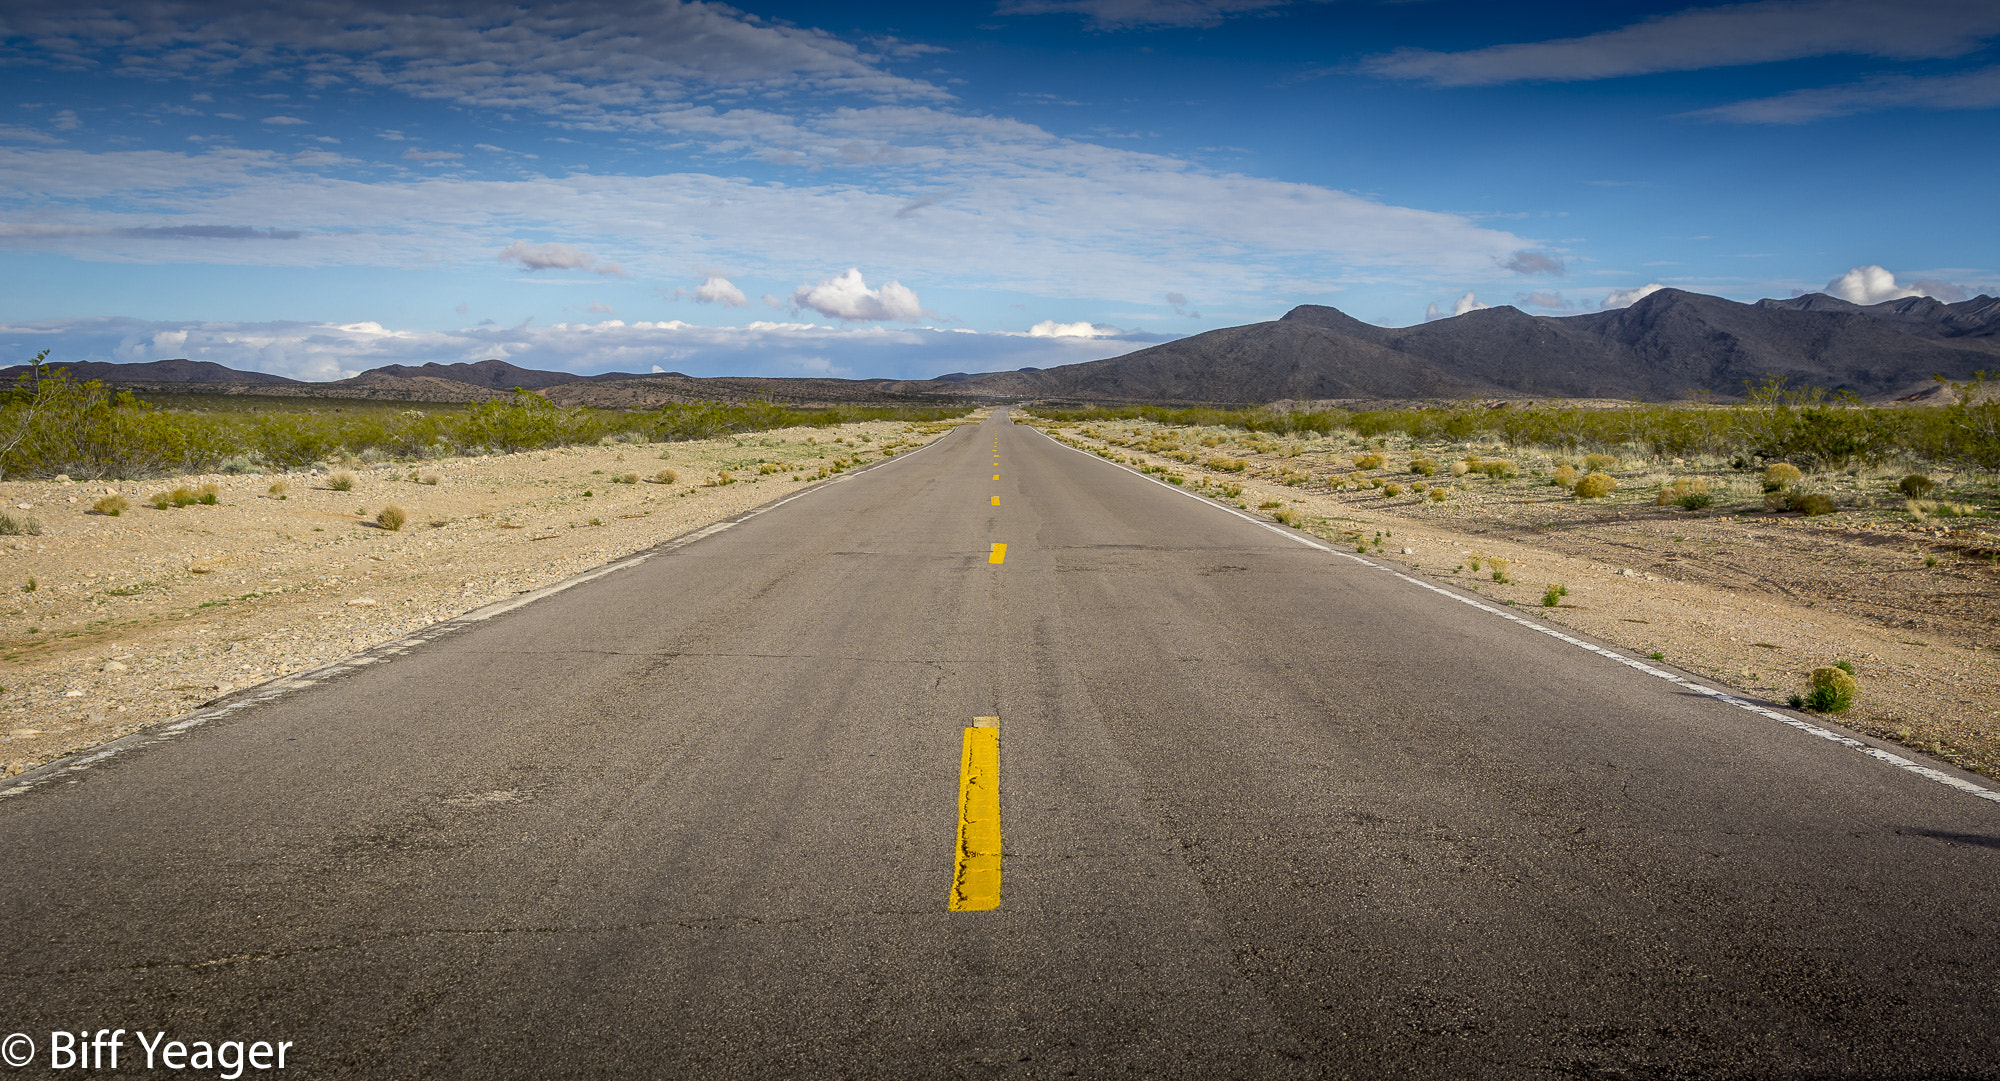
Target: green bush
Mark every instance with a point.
(1553, 595)
(1833, 690)
(1424, 467)
(1916, 486)
(1779, 476)
(1595, 486)
(341, 482)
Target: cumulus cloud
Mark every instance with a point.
(1726, 36)
(1466, 303)
(1625, 298)
(719, 290)
(1533, 262)
(283, 121)
(1551, 300)
(1874, 285)
(534, 257)
(1049, 328)
(1131, 14)
(847, 297)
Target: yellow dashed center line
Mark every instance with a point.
(996, 500)
(996, 476)
(999, 554)
(975, 875)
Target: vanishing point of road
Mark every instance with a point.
(998, 760)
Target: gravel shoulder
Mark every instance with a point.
(1750, 599)
(111, 624)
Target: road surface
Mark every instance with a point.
(1268, 811)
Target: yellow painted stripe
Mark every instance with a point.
(999, 554)
(996, 476)
(996, 500)
(975, 874)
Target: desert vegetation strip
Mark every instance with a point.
(1500, 576)
(115, 623)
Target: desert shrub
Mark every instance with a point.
(625, 478)
(431, 479)
(1499, 570)
(278, 490)
(1419, 486)
(726, 477)
(1425, 467)
(1695, 501)
(341, 482)
(208, 495)
(1598, 463)
(1565, 476)
(1688, 493)
(1474, 560)
(1779, 476)
(1391, 491)
(111, 506)
(1833, 689)
(666, 476)
(1438, 494)
(1916, 485)
(1368, 461)
(1227, 465)
(160, 500)
(1459, 469)
(1553, 595)
(1809, 503)
(1496, 468)
(391, 518)
(11, 526)
(1287, 516)
(1595, 486)
(764, 470)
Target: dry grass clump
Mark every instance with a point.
(666, 476)
(1391, 491)
(11, 526)
(1459, 469)
(391, 518)
(1595, 485)
(1287, 516)
(430, 479)
(1688, 493)
(1598, 463)
(1499, 570)
(1809, 504)
(182, 496)
(278, 490)
(767, 469)
(1565, 476)
(341, 482)
(111, 506)
(1227, 465)
(1426, 467)
(1368, 461)
(625, 478)
(1438, 494)
(1779, 476)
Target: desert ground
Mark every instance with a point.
(116, 622)
(1748, 598)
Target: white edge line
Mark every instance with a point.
(1808, 727)
(258, 694)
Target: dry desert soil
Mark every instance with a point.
(112, 624)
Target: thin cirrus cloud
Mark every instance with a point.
(1533, 262)
(1727, 36)
(1142, 14)
(1968, 90)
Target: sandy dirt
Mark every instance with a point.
(114, 623)
(1750, 599)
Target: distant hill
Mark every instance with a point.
(1668, 345)
(194, 372)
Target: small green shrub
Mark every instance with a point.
(341, 482)
(1368, 461)
(1833, 690)
(1425, 467)
(1916, 485)
(1565, 476)
(1553, 595)
(1391, 491)
(1499, 570)
(1806, 503)
(1438, 494)
(1287, 516)
(1779, 476)
(111, 506)
(391, 518)
(208, 495)
(1598, 463)
(1595, 485)
(11, 526)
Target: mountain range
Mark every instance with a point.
(1669, 345)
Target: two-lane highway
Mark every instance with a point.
(1261, 811)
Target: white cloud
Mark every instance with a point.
(1466, 303)
(1969, 90)
(1874, 285)
(556, 257)
(1753, 33)
(1049, 328)
(720, 290)
(322, 351)
(283, 121)
(847, 297)
(1625, 298)
(66, 120)
(1533, 262)
(1125, 14)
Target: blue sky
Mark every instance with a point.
(906, 190)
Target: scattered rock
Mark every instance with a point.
(363, 602)
(114, 666)
(1409, 551)
(72, 694)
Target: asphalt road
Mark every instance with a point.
(1267, 812)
